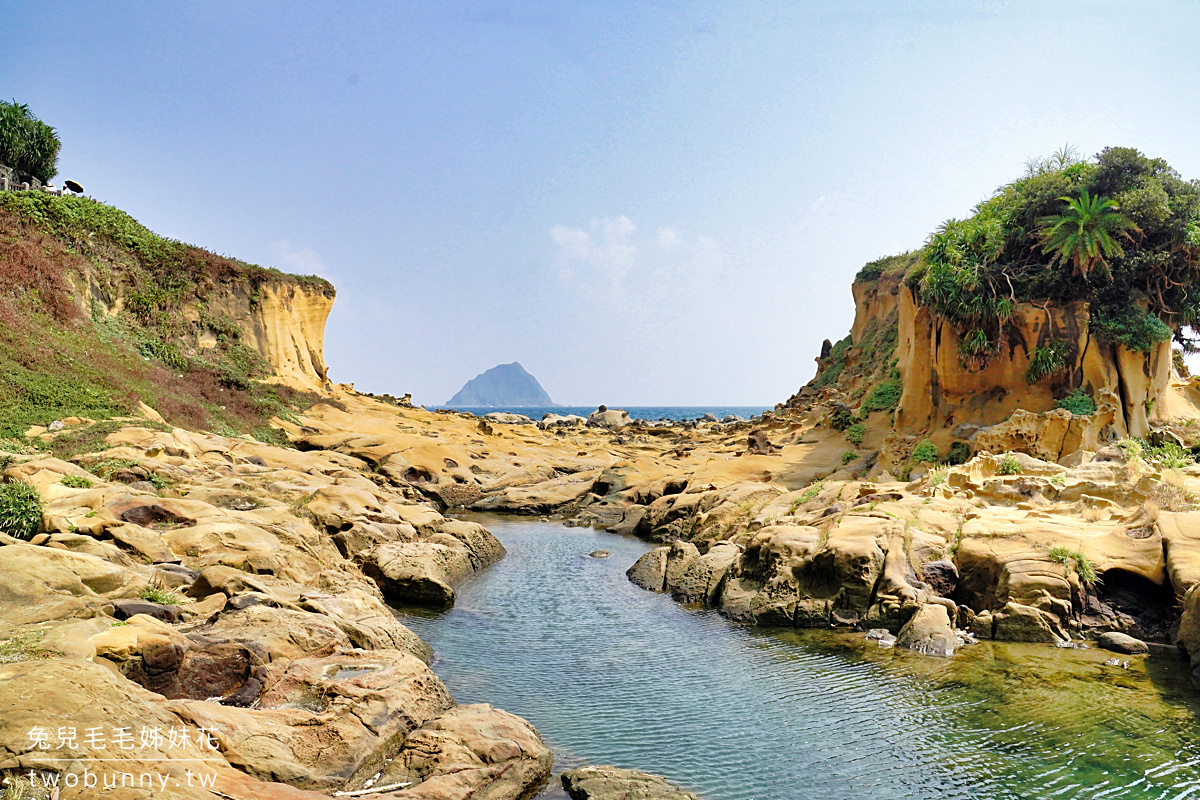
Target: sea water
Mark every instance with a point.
(636, 412)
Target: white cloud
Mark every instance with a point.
(669, 239)
(605, 252)
(301, 261)
(605, 255)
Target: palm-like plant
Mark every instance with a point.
(1085, 233)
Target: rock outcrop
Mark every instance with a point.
(613, 783)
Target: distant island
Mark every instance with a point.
(507, 385)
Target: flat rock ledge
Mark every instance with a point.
(612, 783)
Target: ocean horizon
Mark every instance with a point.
(674, 413)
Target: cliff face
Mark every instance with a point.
(285, 323)
(945, 399)
(1133, 389)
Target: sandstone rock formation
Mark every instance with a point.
(612, 783)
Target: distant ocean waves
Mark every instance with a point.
(636, 412)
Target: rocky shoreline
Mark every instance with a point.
(240, 592)
(225, 585)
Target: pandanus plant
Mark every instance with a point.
(1085, 233)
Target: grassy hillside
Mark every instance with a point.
(66, 265)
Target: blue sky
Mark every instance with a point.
(643, 203)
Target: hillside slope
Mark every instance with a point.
(99, 314)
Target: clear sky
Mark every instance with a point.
(642, 202)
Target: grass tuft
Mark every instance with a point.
(20, 510)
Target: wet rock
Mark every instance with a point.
(701, 581)
(680, 556)
(612, 783)
(650, 571)
(928, 631)
(1121, 643)
(1020, 623)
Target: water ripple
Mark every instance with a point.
(611, 674)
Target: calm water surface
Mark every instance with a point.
(611, 674)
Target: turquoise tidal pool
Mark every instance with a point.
(610, 674)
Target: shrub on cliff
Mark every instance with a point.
(57, 361)
(27, 144)
(925, 452)
(884, 396)
(1047, 361)
(1078, 402)
(856, 433)
(1121, 232)
(20, 510)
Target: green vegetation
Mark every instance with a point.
(836, 362)
(810, 492)
(884, 396)
(1168, 455)
(1047, 361)
(1085, 233)
(27, 144)
(108, 467)
(76, 482)
(1009, 465)
(1132, 447)
(1078, 402)
(57, 362)
(889, 265)
(855, 433)
(848, 456)
(937, 477)
(18, 446)
(22, 646)
(20, 510)
(925, 453)
(874, 361)
(1083, 565)
(842, 419)
(156, 594)
(1121, 232)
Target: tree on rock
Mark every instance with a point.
(27, 144)
(1085, 232)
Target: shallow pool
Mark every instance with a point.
(612, 674)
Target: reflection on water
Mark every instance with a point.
(611, 674)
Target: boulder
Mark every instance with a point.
(1122, 643)
(701, 581)
(611, 418)
(929, 631)
(650, 571)
(88, 695)
(680, 556)
(472, 751)
(322, 719)
(1021, 623)
(613, 783)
